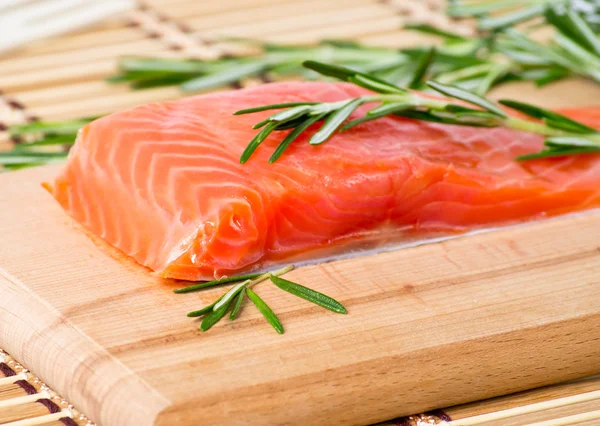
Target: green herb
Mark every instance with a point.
(563, 56)
(222, 281)
(201, 312)
(214, 317)
(498, 14)
(411, 67)
(265, 310)
(20, 158)
(309, 294)
(235, 296)
(475, 64)
(36, 135)
(237, 305)
(564, 136)
(195, 75)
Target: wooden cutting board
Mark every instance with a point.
(428, 326)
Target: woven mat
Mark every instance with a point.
(64, 77)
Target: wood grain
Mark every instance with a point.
(428, 326)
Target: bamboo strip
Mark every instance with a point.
(431, 12)
(545, 415)
(348, 30)
(23, 413)
(397, 38)
(161, 4)
(11, 391)
(41, 420)
(570, 420)
(104, 104)
(38, 78)
(69, 92)
(12, 379)
(23, 399)
(80, 42)
(196, 8)
(528, 409)
(59, 423)
(318, 8)
(173, 35)
(74, 58)
(297, 22)
(523, 398)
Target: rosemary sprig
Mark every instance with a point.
(399, 66)
(281, 61)
(41, 143)
(235, 296)
(498, 14)
(573, 50)
(16, 159)
(564, 136)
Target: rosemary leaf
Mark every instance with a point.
(472, 98)
(290, 114)
(203, 311)
(159, 81)
(511, 18)
(360, 120)
(551, 75)
(291, 124)
(18, 166)
(310, 295)
(385, 109)
(272, 106)
(572, 141)
(228, 297)
(573, 26)
(261, 123)
(21, 161)
(481, 119)
(214, 317)
(162, 65)
(48, 140)
(423, 66)
(549, 153)
(23, 157)
(341, 73)
(429, 29)
(265, 310)
(54, 128)
(207, 284)
(256, 141)
(293, 135)
(334, 122)
(227, 76)
(374, 84)
(553, 119)
(237, 305)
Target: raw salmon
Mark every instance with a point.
(163, 182)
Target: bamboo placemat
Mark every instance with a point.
(64, 78)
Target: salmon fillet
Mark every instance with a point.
(163, 183)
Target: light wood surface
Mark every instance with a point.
(451, 322)
(459, 333)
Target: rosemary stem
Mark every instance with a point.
(268, 275)
(532, 127)
(248, 283)
(464, 73)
